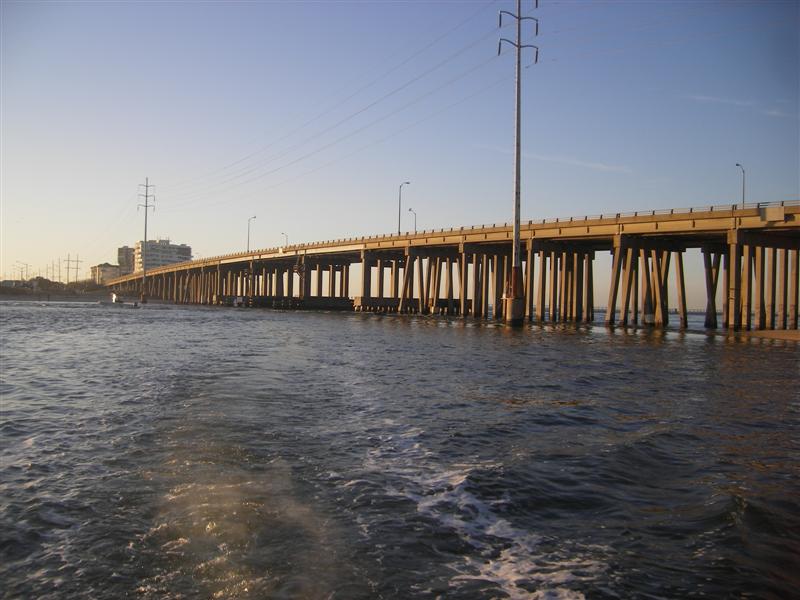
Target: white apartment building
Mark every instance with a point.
(158, 253)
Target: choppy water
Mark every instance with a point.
(179, 452)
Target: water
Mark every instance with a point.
(181, 452)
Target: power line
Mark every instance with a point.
(254, 168)
(360, 129)
(245, 171)
(382, 75)
(381, 140)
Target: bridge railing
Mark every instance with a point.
(655, 212)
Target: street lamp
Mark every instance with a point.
(400, 202)
(742, 168)
(411, 210)
(285, 239)
(248, 232)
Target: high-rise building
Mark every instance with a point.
(158, 253)
(125, 259)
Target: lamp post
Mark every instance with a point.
(248, 232)
(285, 239)
(742, 168)
(411, 210)
(400, 202)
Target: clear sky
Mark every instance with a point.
(308, 115)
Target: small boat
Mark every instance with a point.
(119, 302)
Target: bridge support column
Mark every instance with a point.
(554, 288)
(759, 307)
(711, 262)
(497, 285)
(184, 291)
(420, 270)
(613, 289)
(747, 286)
(782, 280)
(436, 284)
(564, 281)
(657, 285)
(407, 285)
(771, 290)
(628, 270)
(529, 273)
(577, 304)
(733, 278)
(366, 274)
(477, 290)
(448, 286)
(484, 311)
(331, 281)
(588, 288)
(542, 289)
(681, 290)
(395, 276)
(278, 289)
(305, 279)
(793, 289)
(381, 275)
(462, 284)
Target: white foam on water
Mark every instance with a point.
(211, 519)
(507, 556)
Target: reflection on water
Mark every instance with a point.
(188, 452)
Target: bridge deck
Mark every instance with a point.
(464, 270)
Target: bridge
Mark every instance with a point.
(753, 248)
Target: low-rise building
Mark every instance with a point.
(103, 272)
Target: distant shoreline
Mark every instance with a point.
(45, 297)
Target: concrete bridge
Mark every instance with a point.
(754, 249)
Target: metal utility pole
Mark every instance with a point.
(147, 196)
(742, 168)
(77, 265)
(515, 297)
(400, 202)
(21, 265)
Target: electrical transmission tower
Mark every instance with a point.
(515, 296)
(76, 262)
(147, 206)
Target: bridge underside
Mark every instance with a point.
(464, 272)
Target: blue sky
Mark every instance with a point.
(309, 115)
